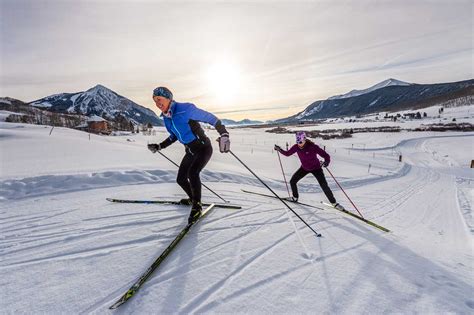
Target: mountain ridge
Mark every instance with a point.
(389, 98)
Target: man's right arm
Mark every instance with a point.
(168, 141)
(153, 147)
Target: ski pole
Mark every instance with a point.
(172, 162)
(344, 192)
(317, 234)
(284, 177)
(308, 254)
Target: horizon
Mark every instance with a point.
(279, 58)
(245, 117)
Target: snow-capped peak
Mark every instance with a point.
(98, 87)
(389, 82)
(102, 91)
(385, 83)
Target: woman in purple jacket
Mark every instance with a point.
(307, 152)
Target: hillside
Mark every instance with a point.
(389, 98)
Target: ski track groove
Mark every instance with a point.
(85, 236)
(216, 287)
(85, 253)
(464, 204)
(213, 249)
(145, 214)
(28, 228)
(33, 238)
(205, 306)
(170, 274)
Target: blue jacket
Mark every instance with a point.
(178, 124)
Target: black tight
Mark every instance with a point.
(319, 174)
(190, 168)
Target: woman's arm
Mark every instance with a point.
(291, 151)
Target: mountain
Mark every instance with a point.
(20, 112)
(10, 103)
(16, 106)
(388, 82)
(241, 122)
(100, 101)
(393, 97)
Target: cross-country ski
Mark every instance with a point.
(356, 216)
(171, 202)
(142, 279)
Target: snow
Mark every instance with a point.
(375, 101)
(462, 114)
(388, 82)
(95, 118)
(5, 101)
(5, 113)
(65, 249)
(312, 111)
(44, 104)
(74, 97)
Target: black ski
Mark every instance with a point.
(357, 217)
(136, 286)
(171, 202)
(284, 198)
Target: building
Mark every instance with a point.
(96, 124)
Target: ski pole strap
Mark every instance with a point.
(317, 234)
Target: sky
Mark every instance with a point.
(238, 59)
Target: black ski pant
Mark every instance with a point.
(319, 174)
(191, 166)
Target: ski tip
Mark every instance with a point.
(114, 307)
(118, 303)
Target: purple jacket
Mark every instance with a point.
(308, 155)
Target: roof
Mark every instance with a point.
(95, 118)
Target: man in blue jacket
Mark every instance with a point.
(182, 122)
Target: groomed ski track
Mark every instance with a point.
(66, 249)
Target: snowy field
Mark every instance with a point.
(66, 250)
(462, 114)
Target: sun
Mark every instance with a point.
(224, 81)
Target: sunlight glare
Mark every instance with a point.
(224, 81)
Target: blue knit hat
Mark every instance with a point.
(163, 91)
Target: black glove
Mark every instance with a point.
(224, 143)
(153, 147)
(325, 164)
(277, 148)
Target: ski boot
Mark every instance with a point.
(291, 199)
(186, 201)
(195, 213)
(338, 206)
